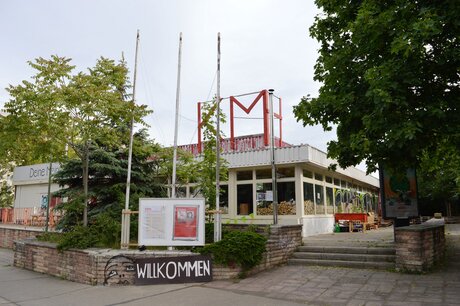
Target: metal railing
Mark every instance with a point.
(30, 216)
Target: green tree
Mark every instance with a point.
(107, 180)
(6, 194)
(390, 80)
(206, 167)
(59, 111)
(6, 190)
(439, 179)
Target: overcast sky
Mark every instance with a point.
(265, 44)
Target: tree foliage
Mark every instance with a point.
(390, 80)
(206, 167)
(439, 176)
(107, 180)
(59, 111)
(6, 189)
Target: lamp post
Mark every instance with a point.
(272, 147)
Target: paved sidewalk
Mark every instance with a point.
(342, 286)
(27, 288)
(287, 285)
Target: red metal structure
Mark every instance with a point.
(262, 95)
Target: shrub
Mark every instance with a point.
(242, 248)
(80, 237)
(104, 231)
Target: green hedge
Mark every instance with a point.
(242, 248)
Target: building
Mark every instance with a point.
(308, 193)
(31, 192)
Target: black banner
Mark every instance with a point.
(173, 270)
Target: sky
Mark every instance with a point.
(264, 44)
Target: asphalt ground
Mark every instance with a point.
(285, 285)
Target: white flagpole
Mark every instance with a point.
(176, 126)
(126, 213)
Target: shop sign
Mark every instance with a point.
(173, 270)
(38, 172)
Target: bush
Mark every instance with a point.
(242, 248)
(79, 238)
(102, 232)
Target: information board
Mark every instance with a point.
(399, 194)
(171, 222)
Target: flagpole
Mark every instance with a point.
(126, 213)
(176, 125)
(217, 219)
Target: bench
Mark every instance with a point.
(356, 221)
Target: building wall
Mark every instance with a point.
(314, 225)
(31, 184)
(27, 196)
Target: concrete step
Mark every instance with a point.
(347, 243)
(342, 263)
(348, 250)
(345, 257)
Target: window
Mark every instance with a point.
(264, 174)
(223, 199)
(318, 177)
(308, 199)
(337, 182)
(307, 173)
(319, 199)
(244, 199)
(286, 198)
(329, 200)
(264, 207)
(329, 179)
(244, 175)
(285, 172)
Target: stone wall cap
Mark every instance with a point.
(286, 226)
(419, 227)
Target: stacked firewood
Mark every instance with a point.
(284, 208)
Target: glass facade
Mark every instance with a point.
(323, 193)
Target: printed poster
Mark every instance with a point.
(185, 223)
(399, 194)
(153, 226)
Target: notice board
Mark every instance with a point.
(171, 222)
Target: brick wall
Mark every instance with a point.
(91, 266)
(419, 247)
(282, 241)
(8, 235)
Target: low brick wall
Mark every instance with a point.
(94, 266)
(10, 234)
(419, 247)
(282, 241)
(90, 266)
